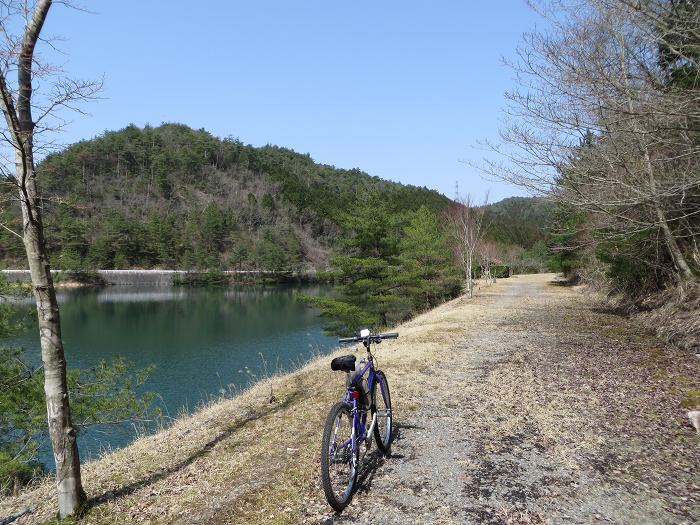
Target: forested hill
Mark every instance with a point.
(174, 197)
(519, 221)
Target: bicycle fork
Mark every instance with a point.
(368, 439)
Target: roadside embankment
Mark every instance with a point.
(524, 404)
(675, 315)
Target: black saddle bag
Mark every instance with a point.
(346, 363)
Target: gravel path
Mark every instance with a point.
(547, 412)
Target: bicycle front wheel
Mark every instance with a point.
(339, 456)
(383, 429)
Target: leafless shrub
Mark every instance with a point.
(466, 221)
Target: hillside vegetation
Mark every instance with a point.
(174, 197)
(519, 229)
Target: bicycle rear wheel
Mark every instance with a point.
(339, 457)
(383, 429)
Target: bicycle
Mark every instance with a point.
(346, 426)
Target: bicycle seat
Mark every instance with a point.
(346, 363)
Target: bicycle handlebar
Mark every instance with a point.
(371, 337)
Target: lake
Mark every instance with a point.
(201, 341)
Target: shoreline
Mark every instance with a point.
(137, 277)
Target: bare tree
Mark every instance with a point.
(31, 96)
(466, 220)
(488, 253)
(597, 123)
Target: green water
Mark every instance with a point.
(201, 341)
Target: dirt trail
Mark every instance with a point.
(545, 412)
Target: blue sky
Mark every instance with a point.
(400, 89)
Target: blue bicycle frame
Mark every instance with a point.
(347, 425)
(360, 432)
(359, 415)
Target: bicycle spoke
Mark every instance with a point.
(383, 412)
(348, 425)
(340, 462)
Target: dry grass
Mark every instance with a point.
(513, 516)
(674, 314)
(246, 459)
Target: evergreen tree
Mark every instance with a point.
(426, 272)
(395, 265)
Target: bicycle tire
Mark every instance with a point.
(338, 486)
(383, 434)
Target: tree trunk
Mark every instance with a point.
(21, 129)
(671, 243)
(470, 282)
(61, 430)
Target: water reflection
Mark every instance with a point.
(201, 340)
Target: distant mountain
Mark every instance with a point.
(519, 221)
(174, 197)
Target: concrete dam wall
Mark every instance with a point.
(134, 277)
(115, 277)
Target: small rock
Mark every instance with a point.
(694, 416)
